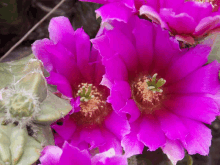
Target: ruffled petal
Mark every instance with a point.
(61, 31)
(195, 107)
(164, 53)
(130, 142)
(101, 43)
(206, 25)
(117, 125)
(111, 142)
(64, 63)
(93, 137)
(187, 63)
(39, 49)
(61, 82)
(115, 69)
(119, 94)
(66, 130)
(174, 150)
(50, 155)
(72, 154)
(131, 111)
(199, 139)
(150, 133)
(203, 80)
(83, 54)
(143, 33)
(171, 125)
(119, 12)
(197, 10)
(123, 47)
(178, 23)
(153, 15)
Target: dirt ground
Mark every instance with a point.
(18, 16)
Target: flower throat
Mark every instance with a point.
(147, 93)
(93, 106)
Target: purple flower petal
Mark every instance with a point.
(199, 139)
(61, 31)
(74, 155)
(143, 42)
(61, 82)
(83, 53)
(124, 47)
(50, 155)
(39, 49)
(130, 142)
(93, 137)
(117, 125)
(203, 80)
(131, 110)
(179, 23)
(111, 142)
(66, 130)
(115, 69)
(174, 150)
(195, 107)
(171, 130)
(192, 60)
(118, 12)
(150, 133)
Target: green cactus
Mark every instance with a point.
(26, 104)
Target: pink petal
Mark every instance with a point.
(130, 142)
(61, 82)
(64, 62)
(164, 53)
(153, 15)
(199, 139)
(39, 49)
(203, 80)
(150, 133)
(171, 125)
(83, 53)
(61, 30)
(197, 10)
(72, 154)
(50, 155)
(115, 69)
(132, 110)
(178, 23)
(101, 43)
(206, 25)
(93, 137)
(174, 150)
(124, 47)
(195, 107)
(117, 125)
(187, 63)
(143, 33)
(111, 142)
(118, 12)
(66, 130)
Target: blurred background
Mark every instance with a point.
(18, 16)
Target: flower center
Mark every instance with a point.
(93, 106)
(147, 93)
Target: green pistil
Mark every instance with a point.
(154, 85)
(85, 96)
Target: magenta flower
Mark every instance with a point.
(185, 20)
(70, 155)
(167, 94)
(75, 68)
